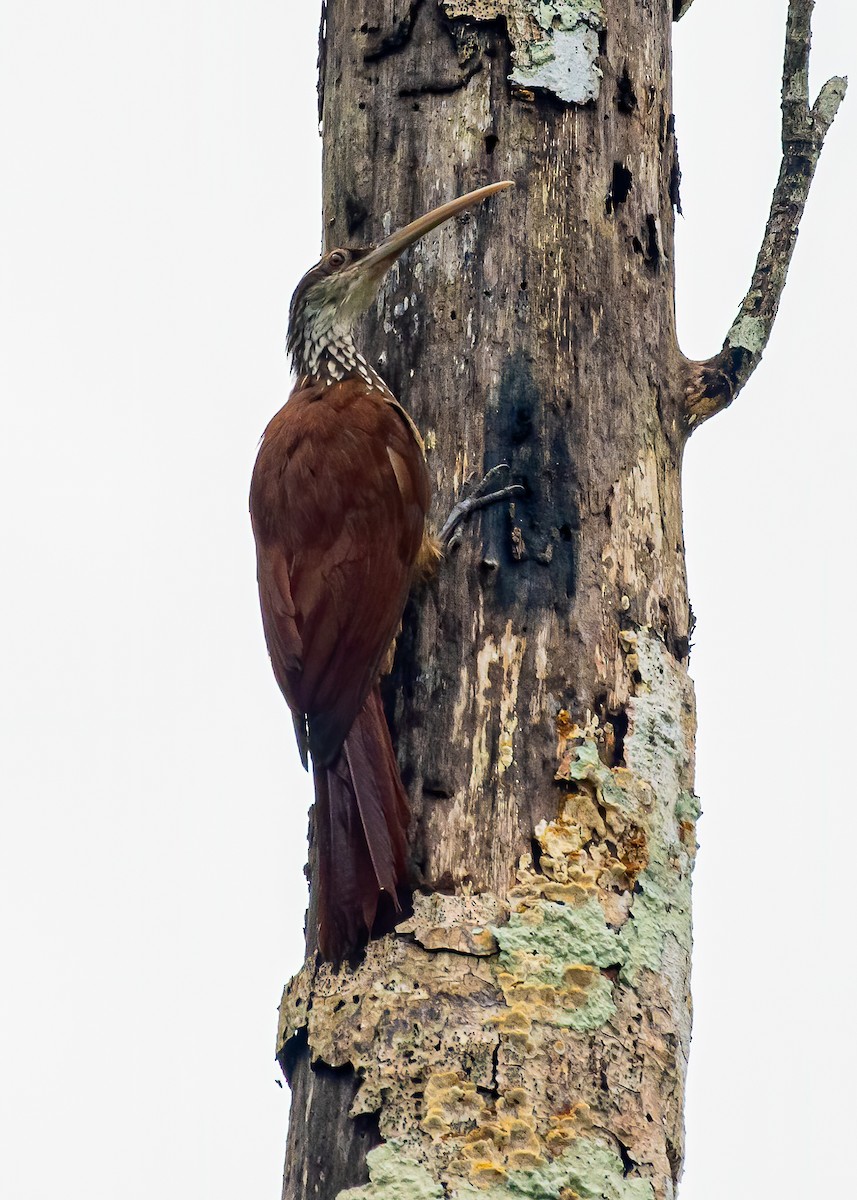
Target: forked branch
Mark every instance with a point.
(712, 385)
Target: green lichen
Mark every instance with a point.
(565, 14)
(394, 1176)
(540, 942)
(550, 936)
(748, 333)
(555, 43)
(564, 63)
(538, 946)
(586, 765)
(661, 908)
(656, 752)
(688, 807)
(595, 1012)
(588, 1169)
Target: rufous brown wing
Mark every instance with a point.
(338, 503)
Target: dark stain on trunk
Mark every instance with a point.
(538, 532)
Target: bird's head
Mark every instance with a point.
(344, 283)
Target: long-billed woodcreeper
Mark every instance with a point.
(338, 502)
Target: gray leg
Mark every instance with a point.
(480, 497)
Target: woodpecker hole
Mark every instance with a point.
(491, 141)
(653, 248)
(356, 213)
(614, 726)
(627, 1161)
(626, 97)
(620, 723)
(620, 187)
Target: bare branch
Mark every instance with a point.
(680, 7)
(713, 385)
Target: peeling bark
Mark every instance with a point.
(524, 1030)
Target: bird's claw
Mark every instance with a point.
(480, 497)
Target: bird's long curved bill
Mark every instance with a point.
(386, 252)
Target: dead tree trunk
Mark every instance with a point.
(525, 1032)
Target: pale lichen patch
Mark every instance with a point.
(549, 959)
(394, 1176)
(658, 752)
(748, 333)
(555, 43)
(543, 939)
(565, 63)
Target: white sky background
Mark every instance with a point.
(153, 835)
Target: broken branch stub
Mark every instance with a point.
(713, 384)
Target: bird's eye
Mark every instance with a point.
(337, 258)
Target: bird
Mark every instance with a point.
(339, 498)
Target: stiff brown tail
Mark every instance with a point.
(361, 823)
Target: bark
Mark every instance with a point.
(525, 1030)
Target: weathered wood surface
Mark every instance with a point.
(530, 1023)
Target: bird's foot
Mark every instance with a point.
(480, 497)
